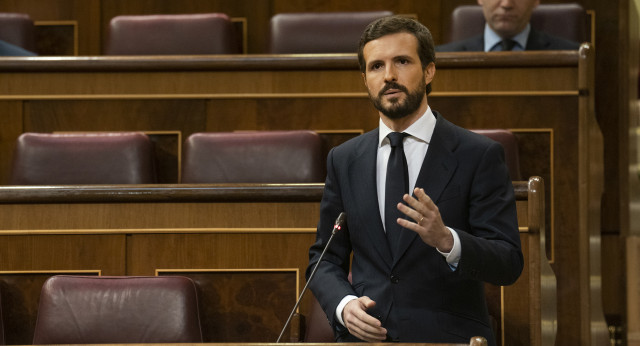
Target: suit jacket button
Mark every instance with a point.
(395, 279)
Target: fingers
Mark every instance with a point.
(417, 209)
(360, 324)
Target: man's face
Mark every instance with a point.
(508, 17)
(394, 76)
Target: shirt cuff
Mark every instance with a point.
(340, 307)
(453, 257)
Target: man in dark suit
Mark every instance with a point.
(507, 28)
(419, 260)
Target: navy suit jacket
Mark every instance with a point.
(419, 298)
(537, 40)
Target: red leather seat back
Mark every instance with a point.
(18, 29)
(510, 144)
(90, 158)
(173, 34)
(319, 32)
(120, 309)
(253, 157)
(318, 329)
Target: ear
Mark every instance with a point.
(429, 72)
(480, 2)
(364, 79)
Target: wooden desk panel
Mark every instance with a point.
(263, 229)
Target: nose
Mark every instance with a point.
(506, 3)
(390, 74)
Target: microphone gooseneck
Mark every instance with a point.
(340, 221)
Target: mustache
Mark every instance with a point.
(393, 85)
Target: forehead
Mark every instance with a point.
(390, 46)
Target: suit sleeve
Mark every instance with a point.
(331, 283)
(491, 246)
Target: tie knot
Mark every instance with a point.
(507, 44)
(396, 138)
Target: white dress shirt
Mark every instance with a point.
(492, 41)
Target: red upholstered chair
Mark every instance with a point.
(89, 158)
(510, 144)
(569, 21)
(117, 309)
(173, 34)
(319, 32)
(253, 157)
(18, 29)
(318, 329)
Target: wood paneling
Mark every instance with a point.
(255, 237)
(246, 305)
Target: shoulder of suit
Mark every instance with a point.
(350, 144)
(474, 43)
(540, 40)
(455, 135)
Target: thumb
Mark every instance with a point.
(367, 303)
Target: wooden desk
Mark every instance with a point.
(546, 98)
(246, 247)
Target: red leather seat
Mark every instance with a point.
(117, 309)
(319, 32)
(253, 157)
(569, 21)
(510, 144)
(173, 34)
(84, 158)
(18, 29)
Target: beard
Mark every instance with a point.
(399, 109)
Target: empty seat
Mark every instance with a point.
(253, 157)
(510, 144)
(18, 29)
(318, 329)
(319, 32)
(88, 158)
(173, 34)
(117, 309)
(569, 21)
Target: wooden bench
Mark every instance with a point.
(246, 246)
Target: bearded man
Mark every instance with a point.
(431, 213)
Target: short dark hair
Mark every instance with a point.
(396, 24)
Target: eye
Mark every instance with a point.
(376, 66)
(403, 61)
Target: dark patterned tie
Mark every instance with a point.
(507, 44)
(396, 186)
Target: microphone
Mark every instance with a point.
(342, 218)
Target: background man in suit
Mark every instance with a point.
(419, 261)
(507, 28)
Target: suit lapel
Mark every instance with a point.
(437, 169)
(365, 193)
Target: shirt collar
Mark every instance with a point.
(421, 129)
(491, 39)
